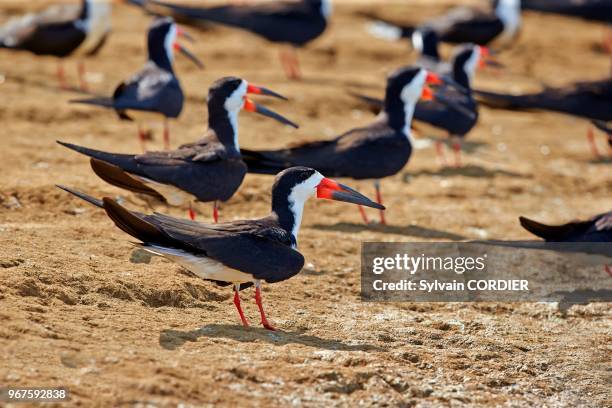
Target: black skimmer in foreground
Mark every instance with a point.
(61, 31)
(439, 113)
(155, 88)
(238, 253)
(210, 169)
(378, 150)
(288, 22)
(462, 25)
(590, 100)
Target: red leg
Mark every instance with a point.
(607, 39)
(245, 323)
(285, 63)
(608, 269)
(457, 149)
(592, 143)
(61, 76)
(379, 201)
(440, 153)
(216, 212)
(142, 137)
(191, 213)
(295, 65)
(363, 215)
(166, 135)
(264, 320)
(82, 77)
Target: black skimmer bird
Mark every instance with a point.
(462, 25)
(61, 31)
(598, 10)
(378, 150)
(155, 88)
(238, 253)
(287, 22)
(590, 100)
(210, 169)
(439, 113)
(596, 229)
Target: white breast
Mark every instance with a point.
(96, 26)
(203, 267)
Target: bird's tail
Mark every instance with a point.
(102, 101)
(504, 101)
(264, 162)
(125, 161)
(386, 29)
(82, 196)
(553, 232)
(197, 16)
(374, 104)
(132, 223)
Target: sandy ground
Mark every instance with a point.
(75, 312)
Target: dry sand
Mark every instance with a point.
(75, 312)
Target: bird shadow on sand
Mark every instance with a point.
(407, 230)
(174, 339)
(601, 160)
(469, 170)
(50, 86)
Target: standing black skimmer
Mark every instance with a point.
(61, 31)
(590, 100)
(462, 25)
(155, 88)
(378, 150)
(442, 115)
(210, 169)
(238, 253)
(288, 22)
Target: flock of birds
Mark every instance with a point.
(244, 253)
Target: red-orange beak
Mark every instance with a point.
(427, 94)
(260, 90)
(181, 32)
(486, 59)
(433, 79)
(332, 190)
(251, 106)
(178, 47)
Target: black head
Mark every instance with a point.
(160, 42)
(226, 94)
(425, 41)
(404, 88)
(465, 61)
(295, 185)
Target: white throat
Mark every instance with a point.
(509, 12)
(471, 64)
(326, 9)
(417, 41)
(232, 105)
(410, 96)
(169, 42)
(97, 23)
(300, 193)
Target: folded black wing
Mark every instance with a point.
(253, 247)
